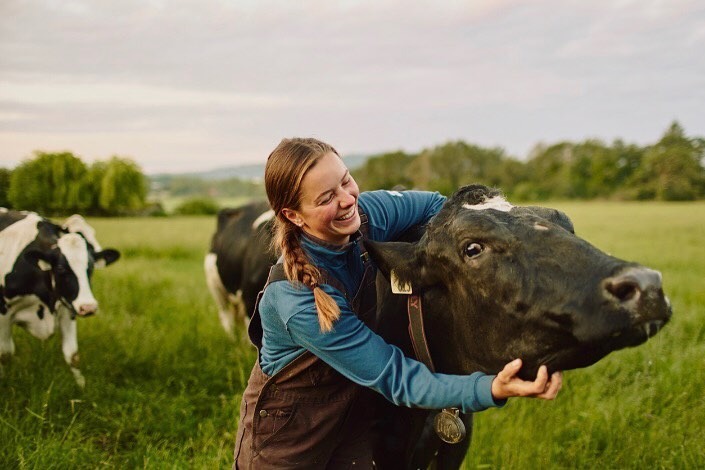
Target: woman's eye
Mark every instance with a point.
(473, 249)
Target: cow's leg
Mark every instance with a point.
(7, 346)
(226, 309)
(69, 344)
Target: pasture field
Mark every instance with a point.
(172, 202)
(164, 381)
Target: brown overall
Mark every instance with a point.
(308, 416)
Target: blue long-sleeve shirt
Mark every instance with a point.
(290, 321)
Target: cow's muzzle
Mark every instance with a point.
(639, 291)
(86, 310)
(628, 287)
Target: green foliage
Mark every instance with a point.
(123, 187)
(50, 183)
(671, 169)
(198, 205)
(5, 175)
(384, 171)
(60, 183)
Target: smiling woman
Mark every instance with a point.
(328, 202)
(308, 402)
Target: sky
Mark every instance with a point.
(181, 86)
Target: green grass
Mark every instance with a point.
(164, 382)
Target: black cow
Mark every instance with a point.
(45, 275)
(238, 262)
(499, 282)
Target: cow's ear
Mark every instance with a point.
(106, 257)
(39, 259)
(553, 215)
(400, 258)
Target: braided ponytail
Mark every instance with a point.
(283, 174)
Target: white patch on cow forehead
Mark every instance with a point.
(395, 193)
(497, 203)
(76, 223)
(262, 218)
(74, 248)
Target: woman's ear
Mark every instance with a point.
(293, 217)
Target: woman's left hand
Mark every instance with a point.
(507, 384)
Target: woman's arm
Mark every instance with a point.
(366, 359)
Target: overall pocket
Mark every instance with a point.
(269, 423)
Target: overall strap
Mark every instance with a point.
(254, 330)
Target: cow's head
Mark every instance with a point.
(500, 282)
(71, 262)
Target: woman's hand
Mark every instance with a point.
(507, 384)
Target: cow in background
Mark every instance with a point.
(238, 262)
(45, 272)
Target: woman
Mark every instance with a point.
(307, 402)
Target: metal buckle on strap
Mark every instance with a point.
(447, 423)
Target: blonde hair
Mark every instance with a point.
(285, 170)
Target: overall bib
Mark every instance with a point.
(307, 415)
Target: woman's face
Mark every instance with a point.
(328, 208)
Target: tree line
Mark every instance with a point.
(669, 170)
(61, 183)
(672, 169)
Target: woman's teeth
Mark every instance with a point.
(348, 215)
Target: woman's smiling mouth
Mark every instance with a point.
(348, 215)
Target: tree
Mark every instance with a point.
(672, 168)
(49, 183)
(5, 175)
(123, 187)
(385, 171)
(198, 205)
(549, 172)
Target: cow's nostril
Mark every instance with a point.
(632, 282)
(628, 285)
(87, 309)
(623, 290)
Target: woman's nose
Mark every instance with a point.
(348, 199)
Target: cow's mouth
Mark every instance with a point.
(583, 355)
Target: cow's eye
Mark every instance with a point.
(473, 249)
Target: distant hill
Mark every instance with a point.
(245, 172)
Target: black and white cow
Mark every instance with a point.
(238, 262)
(45, 272)
(499, 282)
